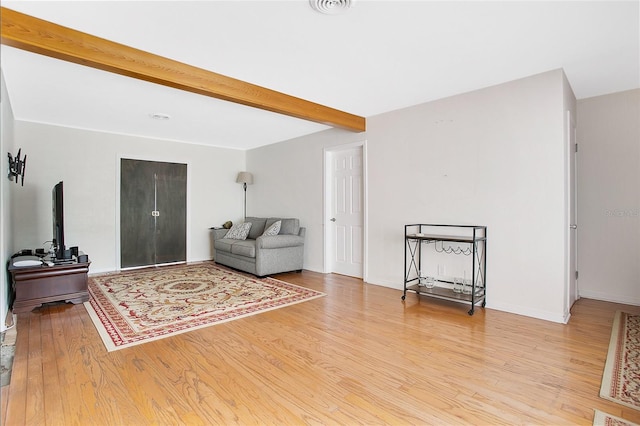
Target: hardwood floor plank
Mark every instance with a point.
(74, 376)
(156, 398)
(16, 405)
(107, 384)
(357, 356)
(53, 408)
(60, 321)
(35, 400)
(264, 366)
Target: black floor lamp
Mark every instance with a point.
(245, 178)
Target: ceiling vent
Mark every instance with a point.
(159, 116)
(331, 7)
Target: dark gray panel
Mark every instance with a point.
(171, 233)
(147, 186)
(136, 205)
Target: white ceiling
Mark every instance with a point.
(378, 57)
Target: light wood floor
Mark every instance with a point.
(357, 356)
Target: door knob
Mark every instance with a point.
(573, 226)
(333, 219)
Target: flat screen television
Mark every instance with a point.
(58, 223)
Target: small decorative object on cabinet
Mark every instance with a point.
(468, 240)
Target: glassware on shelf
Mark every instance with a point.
(426, 281)
(467, 288)
(457, 285)
(429, 282)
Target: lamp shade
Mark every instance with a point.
(244, 177)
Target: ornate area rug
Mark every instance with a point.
(7, 353)
(603, 419)
(621, 378)
(136, 307)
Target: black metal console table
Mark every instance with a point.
(474, 240)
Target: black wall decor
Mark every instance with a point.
(16, 167)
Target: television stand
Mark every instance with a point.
(34, 285)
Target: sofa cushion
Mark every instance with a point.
(224, 244)
(257, 226)
(239, 232)
(288, 227)
(273, 229)
(244, 248)
(279, 241)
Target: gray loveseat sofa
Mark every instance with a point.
(260, 254)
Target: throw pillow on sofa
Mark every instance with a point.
(273, 229)
(239, 232)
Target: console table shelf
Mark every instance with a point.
(474, 240)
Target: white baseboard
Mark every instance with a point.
(528, 312)
(385, 283)
(607, 297)
(505, 307)
(93, 271)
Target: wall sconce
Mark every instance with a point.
(16, 167)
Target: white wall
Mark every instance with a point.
(491, 157)
(6, 190)
(88, 161)
(609, 197)
(288, 182)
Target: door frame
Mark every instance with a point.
(160, 159)
(328, 196)
(572, 289)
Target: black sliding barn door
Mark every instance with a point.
(153, 213)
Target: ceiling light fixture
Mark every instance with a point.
(159, 116)
(331, 7)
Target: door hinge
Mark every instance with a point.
(576, 147)
(576, 275)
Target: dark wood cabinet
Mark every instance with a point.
(34, 285)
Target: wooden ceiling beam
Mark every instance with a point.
(46, 38)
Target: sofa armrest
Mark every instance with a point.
(279, 241)
(219, 233)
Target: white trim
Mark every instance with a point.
(133, 268)
(365, 213)
(513, 309)
(5, 281)
(571, 191)
(365, 202)
(608, 297)
(567, 210)
(161, 159)
(528, 312)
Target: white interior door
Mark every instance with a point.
(573, 212)
(346, 218)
